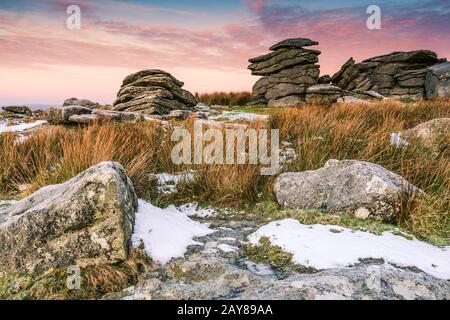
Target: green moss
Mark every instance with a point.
(269, 254)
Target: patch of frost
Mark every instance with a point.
(315, 246)
(166, 233)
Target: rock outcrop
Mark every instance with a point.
(153, 92)
(395, 75)
(23, 110)
(105, 116)
(61, 115)
(362, 188)
(86, 220)
(287, 72)
(81, 115)
(80, 102)
(437, 81)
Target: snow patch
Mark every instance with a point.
(227, 248)
(245, 116)
(167, 183)
(21, 127)
(315, 246)
(166, 233)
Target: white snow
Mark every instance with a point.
(21, 127)
(193, 210)
(227, 248)
(166, 233)
(318, 247)
(167, 183)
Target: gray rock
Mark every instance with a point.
(18, 110)
(349, 186)
(324, 89)
(395, 75)
(437, 82)
(289, 101)
(283, 60)
(352, 99)
(428, 133)
(80, 102)
(374, 94)
(86, 220)
(294, 43)
(326, 79)
(105, 116)
(178, 114)
(153, 92)
(61, 115)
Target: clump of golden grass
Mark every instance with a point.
(226, 98)
(96, 281)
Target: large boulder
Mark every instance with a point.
(24, 110)
(395, 75)
(61, 115)
(153, 92)
(287, 72)
(360, 188)
(437, 81)
(80, 102)
(85, 221)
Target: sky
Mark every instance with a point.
(204, 43)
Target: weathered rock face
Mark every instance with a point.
(80, 102)
(361, 188)
(86, 220)
(323, 93)
(71, 115)
(287, 72)
(104, 116)
(396, 75)
(153, 92)
(61, 115)
(437, 81)
(18, 110)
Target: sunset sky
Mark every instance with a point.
(204, 43)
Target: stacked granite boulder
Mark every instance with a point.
(287, 72)
(395, 75)
(153, 92)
